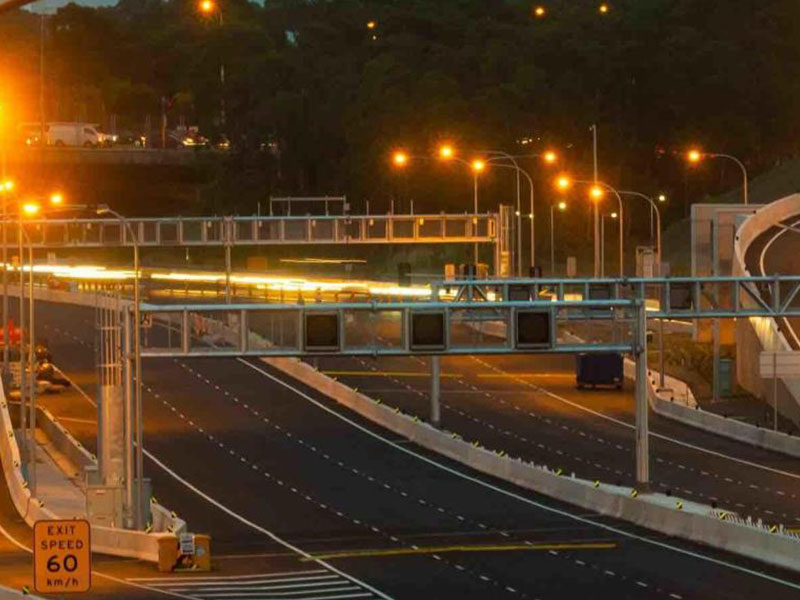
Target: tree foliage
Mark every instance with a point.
(329, 98)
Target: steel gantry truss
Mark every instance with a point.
(265, 230)
(489, 317)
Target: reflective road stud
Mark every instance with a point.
(62, 556)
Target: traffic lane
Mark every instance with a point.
(309, 391)
(167, 425)
(376, 483)
(618, 468)
(523, 423)
(359, 454)
(291, 497)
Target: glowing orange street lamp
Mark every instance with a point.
(539, 12)
(478, 165)
(30, 209)
(57, 198)
(400, 159)
(561, 206)
(207, 7)
(694, 156)
(7, 186)
(604, 8)
(596, 192)
(563, 183)
(371, 24)
(446, 152)
(550, 157)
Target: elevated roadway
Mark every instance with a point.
(246, 453)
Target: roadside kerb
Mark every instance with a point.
(695, 522)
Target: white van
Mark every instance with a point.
(73, 134)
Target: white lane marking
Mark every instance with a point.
(260, 596)
(514, 495)
(670, 439)
(242, 519)
(230, 577)
(260, 529)
(292, 581)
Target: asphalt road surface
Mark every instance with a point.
(290, 485)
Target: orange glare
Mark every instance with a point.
(446, 152)
(563, 182)
(562, 206)
(539, 11)
(694, 156)
(596, 192)
(614, 215)
(30, 208)
(56, 198)
(604, 8)
(371, 24)
(478, 165)
(7, 185)
(207, 6)
(400, 159)
(550, 157)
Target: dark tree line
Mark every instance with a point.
(316, 99)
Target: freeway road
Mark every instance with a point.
(246, 454)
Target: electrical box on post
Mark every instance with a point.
(534, 329)
(427, 330)
(680, 296)
(322, 332)
(519, 293)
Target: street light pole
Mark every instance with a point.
(596, 209)
(509, 157)
(22, 325)
(521, 171)
(6, 191)
(605, 186)
(137, 358)
(561, 206)
(743, 169)
(653, 208)
(695, 156)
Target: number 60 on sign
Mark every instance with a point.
(62, 556)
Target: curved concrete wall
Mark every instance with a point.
(756, 334)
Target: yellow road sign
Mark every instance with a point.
(62, 556)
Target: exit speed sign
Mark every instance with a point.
(62, 556)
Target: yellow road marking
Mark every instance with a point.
(462, 548)
(513, 375)
(386, 374)
(446, 375)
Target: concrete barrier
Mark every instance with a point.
(756, 334)
(105, 540)
(657, 512)
(64, 441)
